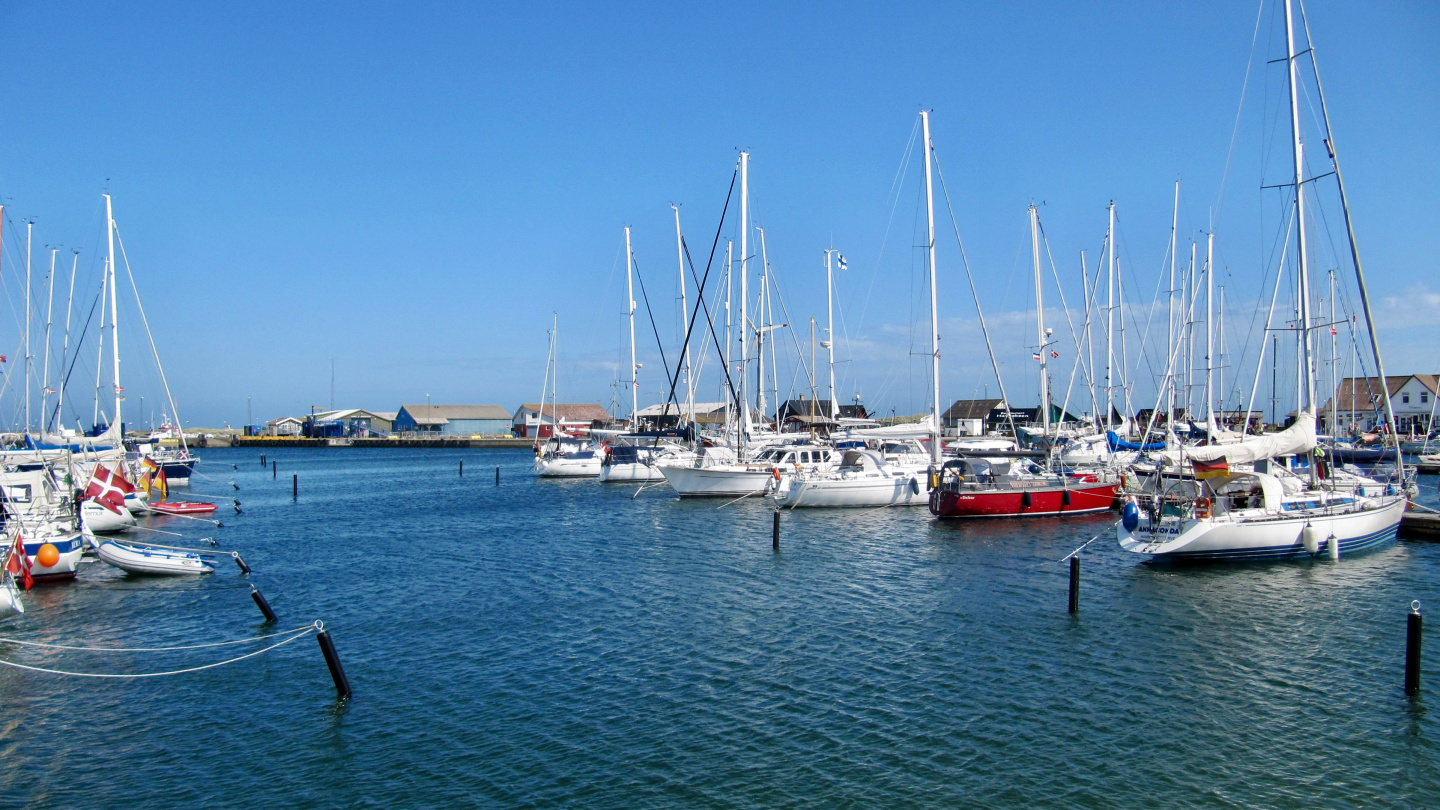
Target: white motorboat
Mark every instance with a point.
(755, 477)
(141, 559)
(863, 478)
(67, 543)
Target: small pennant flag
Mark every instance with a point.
(1034, 355)
(1054, 354)
(840, 260)
(1334, 331)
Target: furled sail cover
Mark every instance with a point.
(1298, 438)
(913, 430)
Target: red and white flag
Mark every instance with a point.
(19, 563)
(109, 488)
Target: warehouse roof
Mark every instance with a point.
(569, 412)
(418, 412)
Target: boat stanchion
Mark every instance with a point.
(240, 561)
(332, 660)
(775, 531)
(295, 486)
(1075, 584)
(263, 605)
(1413, 624)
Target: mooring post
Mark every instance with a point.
(462, 468)
(264, 605)
(1075, 584)
(262, 459)
(497, 476)
(295, 486)
(274, 473)
(775, 532)
(332, 660)
(1413, 624)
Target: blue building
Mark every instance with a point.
(452, 420)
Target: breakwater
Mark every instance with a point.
(457, 442)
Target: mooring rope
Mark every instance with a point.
(298, 633)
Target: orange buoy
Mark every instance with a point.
(48, 555)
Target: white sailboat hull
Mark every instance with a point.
(718, 482)
(620, 473)
(874, 490)
(100, 520)
(562, 467)
(1264, 538)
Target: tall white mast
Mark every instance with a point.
(684, 321)
(830, 329)
(114, 329)
(630, 303)
(1209, 335)
(761, 330)
(49, 318)
(728, 396)
(65, 345)
(1334, 358)
(29, 230)
(744, 295)
(1302, 255)
(1110, 319)
(1170, 301)
(1042, 340)
(934, 306)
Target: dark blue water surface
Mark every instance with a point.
(548, 643)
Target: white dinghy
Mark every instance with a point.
(141, 559)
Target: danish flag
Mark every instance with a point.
(108, 488)
(19, 563)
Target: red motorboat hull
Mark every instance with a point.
(1044, 502)
(183, 508)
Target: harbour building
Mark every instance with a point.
(451, 420)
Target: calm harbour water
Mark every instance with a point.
(549, 643)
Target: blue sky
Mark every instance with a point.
(413, 189)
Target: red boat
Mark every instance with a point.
(972, 488)
(183, 508)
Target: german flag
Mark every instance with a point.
(1214, 469)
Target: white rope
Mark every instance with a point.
(306, 631)
(154, 649)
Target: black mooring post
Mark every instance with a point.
(273, 472)
(1075, 584)
(332, 660)
(462, 468)
(775, 532)
(295, 486)
(497, 476)
(262, 459)
(264, 605)
(1413, 624)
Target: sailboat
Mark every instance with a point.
(1021, 483)
(1271, 511)
(562, 455)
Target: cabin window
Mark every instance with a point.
(18, 494)
(789, 459)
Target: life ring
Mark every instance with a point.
(1202, 508)
(775, 471)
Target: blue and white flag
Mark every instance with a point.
(840, 260)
